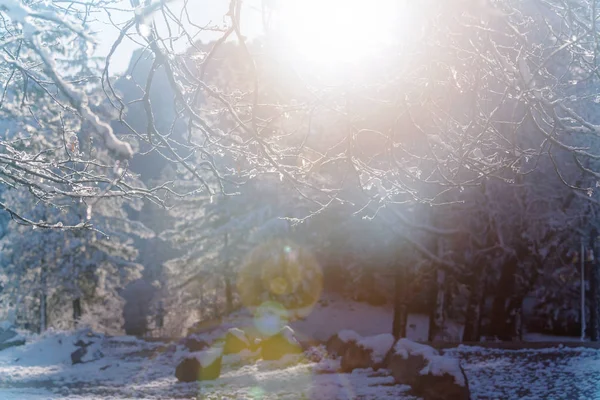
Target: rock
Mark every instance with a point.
(316, 354)
(205, 326)
(338, 344)
(444, 387)
(194, 345)
(77, 355)
(255, 344)
(9, 336)
(12, 343)
(81, 343)
(235, 342)
(282, 343)
(430, 375)
(355, 357)
(369, 352)
(200, 366)
(83, 354)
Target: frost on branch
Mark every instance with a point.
(27, 18)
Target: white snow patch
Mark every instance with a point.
(328, 365)
(379, 345)
(130, 339)
(405, 347)
(444, 365)
(207, 357)
(289, 335)
(5, 325)
(437, 364)
(45, 350)
(348, 335)
(238, 333)
(241, 357)
(328, 317)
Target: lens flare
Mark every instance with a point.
(270, 317)
(280, 272)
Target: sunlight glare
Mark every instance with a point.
(338, 32)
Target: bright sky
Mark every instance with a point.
(203, 12)
(328, 34)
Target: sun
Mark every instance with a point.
(337, 32)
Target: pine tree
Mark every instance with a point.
(51, 270)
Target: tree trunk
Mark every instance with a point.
(473, 314)
(515, 317)
(500, 320)
(160, 315)
(43, 314)
(594, 292)
(482, 304)
(228, 287)
(43, 298)
(437, 316)
(228, 295)
(76, 311)
(519, 324)
(400, 306)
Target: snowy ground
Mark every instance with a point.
(132, 368)
(333, 314)
(135, 369)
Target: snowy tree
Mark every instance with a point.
(215, 235)
(56, 271)
(466, 64)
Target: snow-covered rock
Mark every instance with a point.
(369, 352)
(87, 351)
(378, 345)
(200, 366)
(193, 344)
(9, 337)
(282, 343)
(338, 343)
(431, 376)
(235, 342)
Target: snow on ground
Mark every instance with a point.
(552, 373)
(331, 315)
(136, 369)
(133, 368)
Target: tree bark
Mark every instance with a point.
(76, 311)
(400, 306)
(43, 314)
(515, 317)
(228, 286)
(438, 312)
(500, 320)
(473, 314)
(228, 295)
(594, 292)
(437, 316)
(43, 298)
